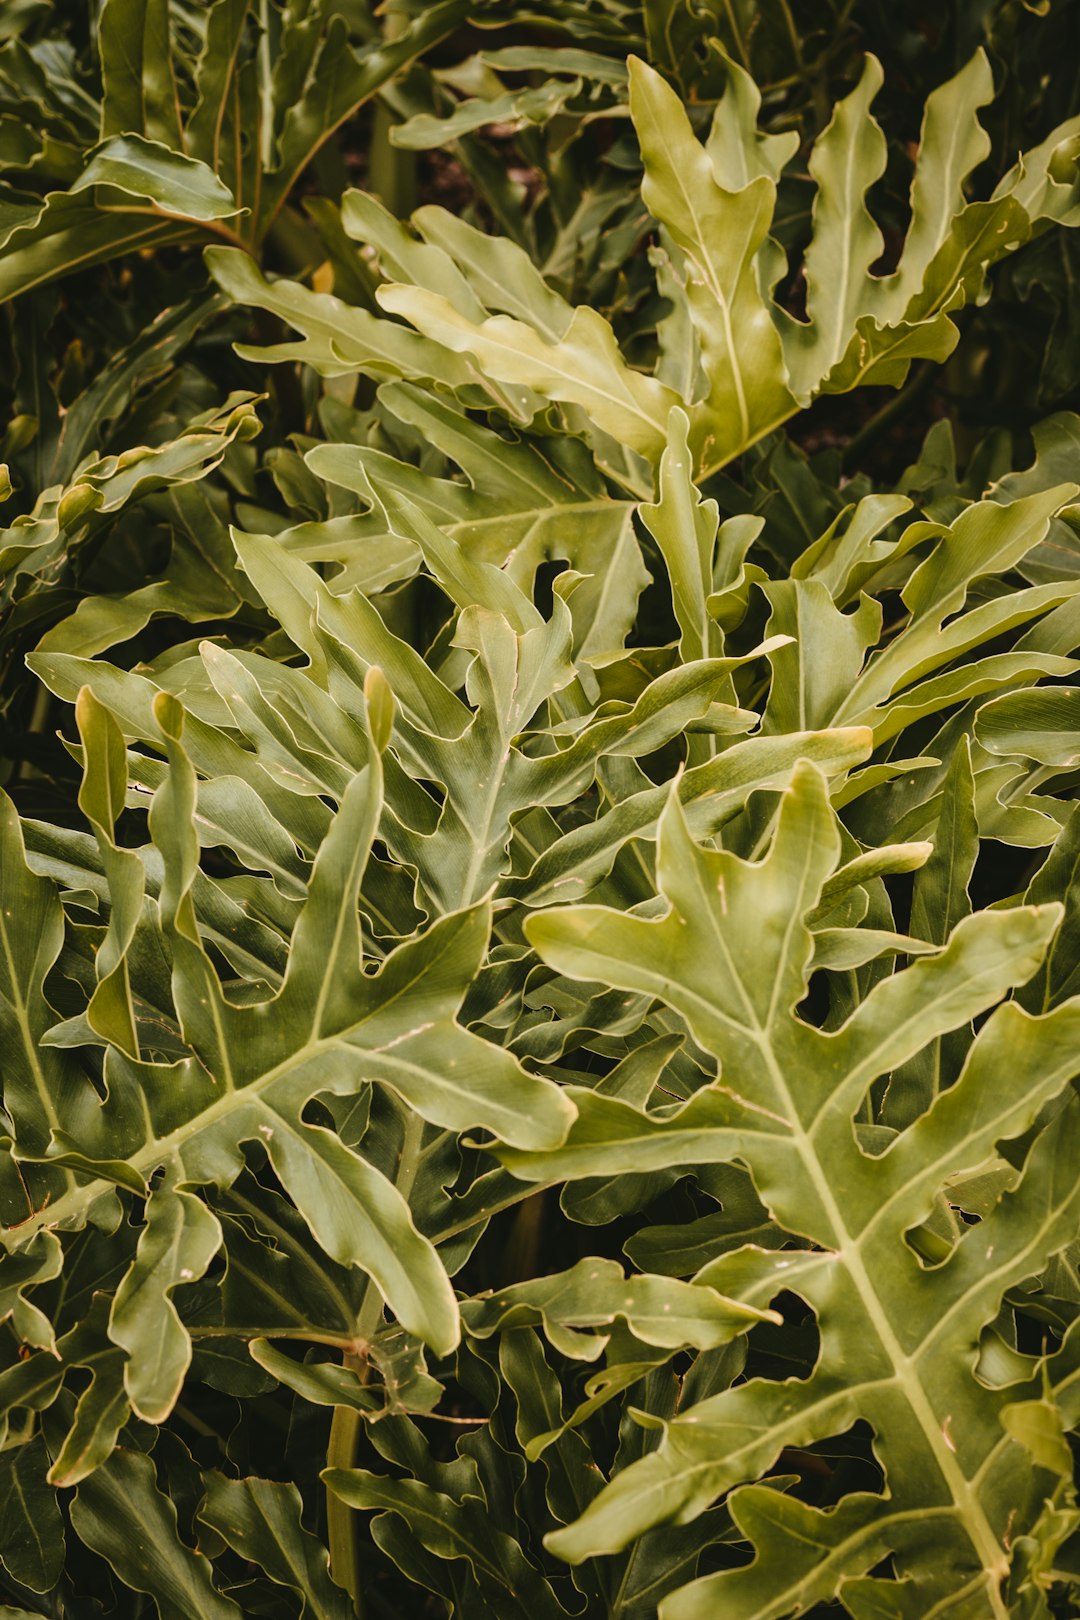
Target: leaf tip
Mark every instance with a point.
(379, 701)
(169, 714)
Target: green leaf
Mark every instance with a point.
(101, 1412)
(150, 353)
(101, 800)
(904, 1369)
(454, 1530)
(41, 1084)
(175, 184)
(501, 275)
(513, 109)
(1057, 879)
(31, 1526)
(878, 690)
(595, 1293)
(43, 544)
(939, 902)
(338, 337)
(69, 233)
(356, 1214)
(685, 529)
(137, 70)
(848, 157)
(380, 708)
(583, 368)
(719, 232)
(179, 1240)
(121, 1514)
(260, 1520)
(952, 144)
(1041, 724)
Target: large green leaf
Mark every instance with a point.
(171, 183)
(720, 233)
(260, 1519)
(330, 1029)
(31, 1527)
(145, 1550)
(716, 203)
(897, 1341)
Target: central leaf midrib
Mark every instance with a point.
(907, 1380)
(713, 284)
(234, 1097)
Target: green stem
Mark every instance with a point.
(266, 90)
(793, 35)
(391, 169)
(346, 1424)
(739, 41)
(474, 1218)
(341, 1453)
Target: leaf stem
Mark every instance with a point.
(523, 1190)
(266, 90)
(214, 226)
(340, 1528)
(392, 169)
(346, 1424)
(739, 41)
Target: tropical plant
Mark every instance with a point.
(179, 122)
(126, 130)
(538, 1052)
(739, 362)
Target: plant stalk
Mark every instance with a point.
(347, 1421)
(391, 169)
(340, 1527)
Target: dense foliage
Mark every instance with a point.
(539, 898)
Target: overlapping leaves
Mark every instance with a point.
(748, 364)
(162, 153)
(898, 1339)
(726, 1222)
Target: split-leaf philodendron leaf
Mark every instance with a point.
(752, 364)
(899, 1338)
(539, 875)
